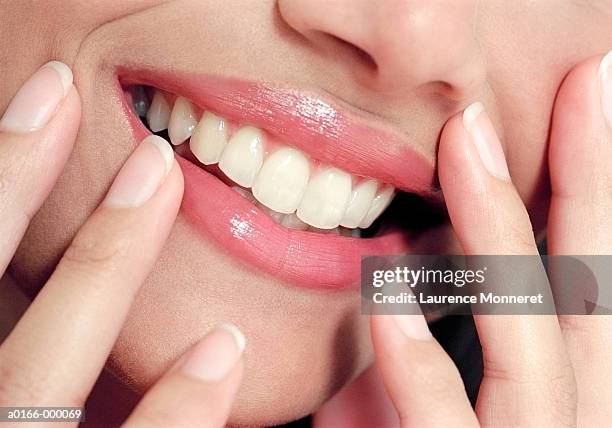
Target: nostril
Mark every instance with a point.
(365, 58)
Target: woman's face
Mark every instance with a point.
(360, 85)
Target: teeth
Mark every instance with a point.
(209, 139)
(158, 115)
(379, 204)
(325, 199)
(361, 199)
(282, 180)
(243, 156)
(282, 185)
(182, 121)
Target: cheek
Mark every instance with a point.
(524, 108)
(527, 57)
(54, 226)
(103, 143)
(527, 146)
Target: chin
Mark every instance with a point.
(302, 345)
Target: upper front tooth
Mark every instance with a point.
(209, 139)
(159, 113)
(379, 204)
(361, 199)
(326, 198)
(182, 121)
(243, 156)
(282, 180)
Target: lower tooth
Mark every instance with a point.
(291, 221)
(244, 193)
(334, 231)
(346, 231)
(276, 216)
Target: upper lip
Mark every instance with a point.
(317, 126)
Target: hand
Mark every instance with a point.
(538, 370)
(57, 350)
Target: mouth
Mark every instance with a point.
(282, 180)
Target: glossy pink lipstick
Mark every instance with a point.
(319, 128)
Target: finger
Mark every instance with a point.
(421, 379)
(580, 155)
(37, 132)
(526, 364)
(198, 391)
(58, 348)
(487, 213)
(362, 403)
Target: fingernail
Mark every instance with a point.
(38, 99)
(142, 174)
(413, 326)
(214, 357)
(482, 133)
(605, 79)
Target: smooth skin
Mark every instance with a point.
(539, 371)
(57, 350)
(404, 65)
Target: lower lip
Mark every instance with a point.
(304, 259)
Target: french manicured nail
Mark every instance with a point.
(38, 99)
(142, 174)
(214, 357)
(413, 326)
(478, 125)
(605, 84)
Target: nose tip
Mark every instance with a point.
(423, 46)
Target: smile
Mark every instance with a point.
(273, 187)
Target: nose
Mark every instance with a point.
(425, 46)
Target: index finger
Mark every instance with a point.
(56, 351)
(526, 363)
(37, 132)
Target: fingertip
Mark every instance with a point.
(579, 138)
(459, 169)
(38, 100)
(214, 357)
(453, 145)
(64, 72)
(175, 182)
(578, 97)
